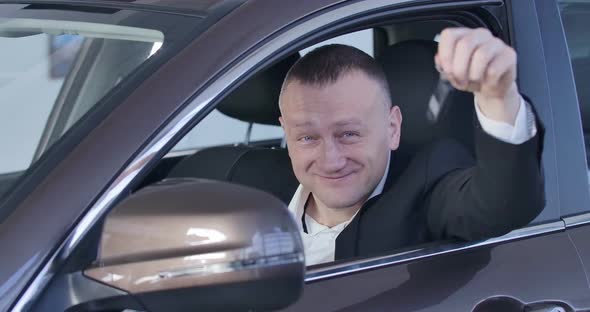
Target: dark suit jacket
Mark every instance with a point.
(445, 194)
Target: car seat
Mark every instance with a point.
(269, 169)
(431, 109)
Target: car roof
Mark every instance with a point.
(192, 5)
(201, 8)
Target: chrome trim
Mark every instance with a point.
(581, 219)
(203, 100)
(235, 266)
(319, 274)
(183, 152)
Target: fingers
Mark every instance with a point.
(501, 68)
(466, 46)
(474, 60)
(482, 58)
(446, 46)
(455, 50)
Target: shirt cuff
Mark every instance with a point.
(524, 127)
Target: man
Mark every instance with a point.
(342, 132)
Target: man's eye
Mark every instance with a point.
(349, 137)
(305, 138)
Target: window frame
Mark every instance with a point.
(341, 18)
(569, 129)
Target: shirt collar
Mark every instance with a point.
(379, 188)
(314, 227)
(297, 204)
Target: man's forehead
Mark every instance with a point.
(353, 76)
(351, 91)
(351, 121)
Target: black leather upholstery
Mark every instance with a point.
(413, 79)
(255, 101)
(214, 163)
(262, 168)
(409, 67)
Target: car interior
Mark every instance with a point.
(431, 110)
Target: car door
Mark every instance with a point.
(571, 43)
(536, 267)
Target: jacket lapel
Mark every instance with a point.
(347, 241)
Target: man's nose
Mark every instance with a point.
(332, 158)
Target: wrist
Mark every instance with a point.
(502, 109)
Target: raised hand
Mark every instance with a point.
(474, 60)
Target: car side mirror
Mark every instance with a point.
(191, 244)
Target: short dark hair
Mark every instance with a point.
(326, 64)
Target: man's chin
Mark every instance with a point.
(335, 201)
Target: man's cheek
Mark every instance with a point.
(300, 167)
(306, 167)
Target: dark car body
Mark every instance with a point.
(48, 213)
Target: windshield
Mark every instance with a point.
(48, 56)
(56, 69)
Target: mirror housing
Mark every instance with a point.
(192, 244)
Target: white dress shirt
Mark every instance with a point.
(320, 241)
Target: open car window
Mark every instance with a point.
(219, 129)
(433, 111)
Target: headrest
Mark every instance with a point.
(431, 109)
(257, 100)
(412, 78)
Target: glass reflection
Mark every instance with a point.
(205, 236)
(205, 257)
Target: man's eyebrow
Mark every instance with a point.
(303, 124)
(346, 122)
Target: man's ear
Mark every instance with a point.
(395, 127)
(282, 122)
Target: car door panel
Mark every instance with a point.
(579, 237)
(526, 270)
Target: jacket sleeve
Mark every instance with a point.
(501, 190)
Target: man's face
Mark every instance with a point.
(339, 137)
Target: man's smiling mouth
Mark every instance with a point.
(336, 178)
